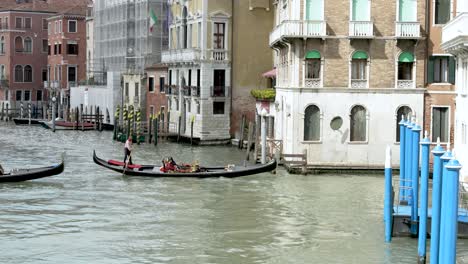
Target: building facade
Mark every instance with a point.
(455, 41)
(346, 73)
(156, 99)
(66, 53)
(211, 66)
(440, 96)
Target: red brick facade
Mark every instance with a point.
(156, 100)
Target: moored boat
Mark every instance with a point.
(229, 171)
(19, 175)
(25, 121)
(63, 125)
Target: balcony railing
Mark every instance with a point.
(405, 84)
(219, 91)
(180, 55)
(407, 30)
(3, 25)
(219, 55)
(298, 29)
(4, 83)
(167, 89)
(455, 28)
(175, 90)
(358, 84)
(312, 83)
(187, 90)
(361, 29)
(195, 91)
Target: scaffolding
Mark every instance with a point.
(122, 38)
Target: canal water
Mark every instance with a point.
(91, 215)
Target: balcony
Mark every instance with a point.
(312, 83)
(407, 30)
(298, 29)
(405, 84)
(4, 83)
(455, 34)
(180, 55)
(167, 89)
(195, 91)
(219, 55)
(219, 91)
(174, 89)
(187, 91)
(361, 29)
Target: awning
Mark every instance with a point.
(360, 55)
(270, 74)
(313, 54)
(406, 57)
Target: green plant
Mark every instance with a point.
(263, 94)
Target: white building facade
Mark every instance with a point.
(341, 91)
(455, 41)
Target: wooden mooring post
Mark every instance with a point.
(191, 129)
(249, 141)
(150, 124)
(156, 127)
(241, 133)
(3, 109)
(178, 128)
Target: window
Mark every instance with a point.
(162, 80)
(312, 64)
(188, 106)
(184, 26)
(39, 95)
(49, 28)
(126, 89)
(18, 73)
(60, 26)
(137, 89)
(151, 111)
(2, 45)
(189, 77)
(55, 48)
(28, 73)
(199, 35)
(45, 25)
(28, 45)
(170, 77)
(27, 95)
(405, 66)
(59, 50)
(359, 66)
(72, 48)
(151, 84)
(198, 107)
(218, 35)
(7, 95)
(2, 72)
(312, 123)
(18, 44)
(218, 108)
(440, 128)
(44, 75)
(72, 26)
(27, 22)
(18, 22)
(441, 69)
(71, 74)
(198, 78)
(45, 46)
(442, 11)
(314, 9)
(19, 95)
(402, 111)
(358, 124)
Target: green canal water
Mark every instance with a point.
(92, 215)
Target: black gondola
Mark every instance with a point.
(204, 172)
(20, 175)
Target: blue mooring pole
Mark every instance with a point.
(415, 178)
(388, 199)
(438, 151)
(449, 216)
(425, 146)
(408, 137)
(402, 191)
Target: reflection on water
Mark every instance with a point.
(92, 215)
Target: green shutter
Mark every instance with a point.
(313, 54)
(406, 57)
(430, 70)
(452, 70)
(360, 55)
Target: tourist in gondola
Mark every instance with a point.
(128, 151)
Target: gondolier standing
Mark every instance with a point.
(128, 151)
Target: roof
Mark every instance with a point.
(76, 7)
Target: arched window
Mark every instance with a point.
(313, 65)
(184, 25)
(312, 123)
(27, 45)
(358, 124)
(403, 110)
(405, 70)
(18, 73)
(18, 44)
(359, 66)
(27, 73)
(2, 45)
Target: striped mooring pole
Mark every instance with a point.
(437, 152)
(425, 146)
(138, 125)
(388, 196)
(116, 121)
(125, 118)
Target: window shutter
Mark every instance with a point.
(452, 70)
(430, 70)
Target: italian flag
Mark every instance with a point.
(153, 20)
